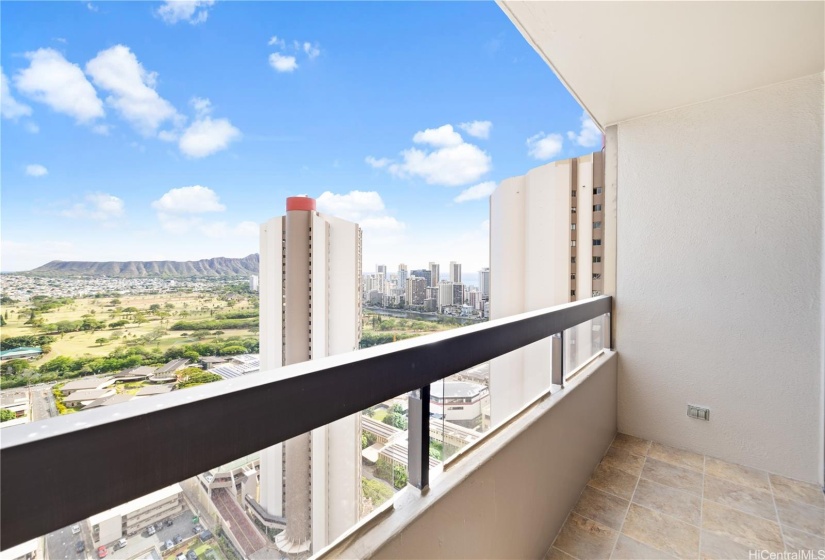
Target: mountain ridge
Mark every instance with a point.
(218, 266)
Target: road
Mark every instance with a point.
(42, 403)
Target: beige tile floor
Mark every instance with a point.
(647, 500)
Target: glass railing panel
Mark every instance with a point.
(582, 342)
(459, 411)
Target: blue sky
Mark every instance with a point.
(151, 130)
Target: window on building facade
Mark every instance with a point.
(597, 190)
(572, 292)
(572, 226)
(597, 242)
(573, 243)
(597, 225)
(597, 207)
(573, 194)
(597, 259)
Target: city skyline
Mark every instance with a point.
(214, 137)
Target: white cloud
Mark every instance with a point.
(451, 166)
(438, 137)
(589, 135)
(544, 146)
(206, 136)
(118, 70)
(36, 170)
(353, 206)
(312, 51)
(9, 107)
(201, 105)
(61, 85)
(381, 231)
(181, 210)
(192, 11)
(377, 163)
(452, 162)
(382, 224)
(282, 63)
(274, 40)
(102, 129)
(91, 7)
(97, 206)
(478, 129)
(189, 200)
(482, 190)
(168, 136)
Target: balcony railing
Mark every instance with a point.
(58, 471)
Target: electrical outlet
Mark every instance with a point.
(699, 412)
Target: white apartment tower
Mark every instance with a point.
(455, 272)
(435, 274)
(403, 274)
(545, 249)
(484, 282)
(313, 480)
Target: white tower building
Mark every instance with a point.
(484, 282)
(314, 480)
(403, 274)
(435, 274)
(455, 272)
(543, 250)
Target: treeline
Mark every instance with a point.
(374, 339)
(86, 324)
(250, 314)
(216, 324)
(9, 342)
(43, 304)
(64, 367)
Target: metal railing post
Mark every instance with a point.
(608, 331)
(418, 443)
(557, 368)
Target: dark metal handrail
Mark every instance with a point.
(58, 471)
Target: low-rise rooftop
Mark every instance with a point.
(150, 390)
(110, 400)
(86, 384)
(172, 366)
(89, 395)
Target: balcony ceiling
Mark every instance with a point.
(624, 60)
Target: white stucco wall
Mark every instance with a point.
(719, 277)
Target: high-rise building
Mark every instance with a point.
(435, 274)
(425, 274)
(445, 294)
(484, 282)
(381, 269)
(458, 293)
(253, 283)
(546, 239)
(402, 276)
(455, 271)
(314, 480)
(415, 291)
